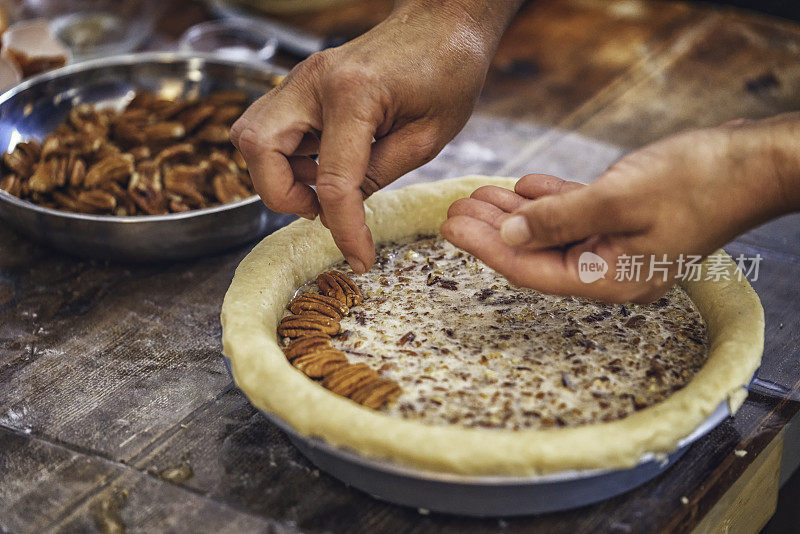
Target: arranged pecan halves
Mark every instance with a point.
(339, 286)
(311, 350)
(306, 345)
(346, 380)
(320, 363)
(376, 393)
(318, 303)
(294, 326)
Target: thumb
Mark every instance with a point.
(565, 218)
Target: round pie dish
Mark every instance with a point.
(34, 108)
(268, 277)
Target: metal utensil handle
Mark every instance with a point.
(771, 389)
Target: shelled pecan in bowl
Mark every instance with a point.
(156, 156)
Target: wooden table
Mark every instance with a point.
(111, 374)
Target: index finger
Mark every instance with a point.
(343, 156)
(266, 135)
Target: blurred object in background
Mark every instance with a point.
(333, 22)
(10, 74)
(234, 39)
(33, 48)
(93, 28)
(278, 6)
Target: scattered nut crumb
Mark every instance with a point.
(740, 453)
(684, 500)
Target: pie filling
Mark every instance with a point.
(441, 338)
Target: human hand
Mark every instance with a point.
(410, 83)
(685, 195)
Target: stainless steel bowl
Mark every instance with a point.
(35, 107)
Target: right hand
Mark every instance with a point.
(410, 83)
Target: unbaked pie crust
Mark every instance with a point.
(283, 262)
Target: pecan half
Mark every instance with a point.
(166, 109)
(113, 168)
(177, 205)
(10, 183)
(195, 116)
(140, 153)
(293, 326)
(346, 380)
(220, 162)
(322, 304)
(239, 160)
(144, 189)
(76, 171)
(66, 200)
(228, 188)
(227, 114)
(339, 286)
(44, 179)
(87, 119)
(128, 128)
(188, 181)
(95, 201)
(376, 393)
(23, 158)
(164, 132)
(320, 363)
(66, 143)
(231, 96)
(182, 152)
(306, 345)
(215, 134)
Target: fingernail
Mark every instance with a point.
(515, 230)
(357, 265)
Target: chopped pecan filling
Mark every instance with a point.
(467, 348)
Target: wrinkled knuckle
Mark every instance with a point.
(333, 186)
(350, 78)
(369, 186)
(314, 65)
(276, 204)
(427, 145)
(246, 138)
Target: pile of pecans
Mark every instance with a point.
(157, 156)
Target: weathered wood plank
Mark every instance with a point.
(108, 357)
(39, 480)
(737, 67)
(139, 503)
(751, 501)
(559, 54)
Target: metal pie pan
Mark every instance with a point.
(484, 496)
(34, 108)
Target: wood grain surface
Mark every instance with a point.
(115, 406)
